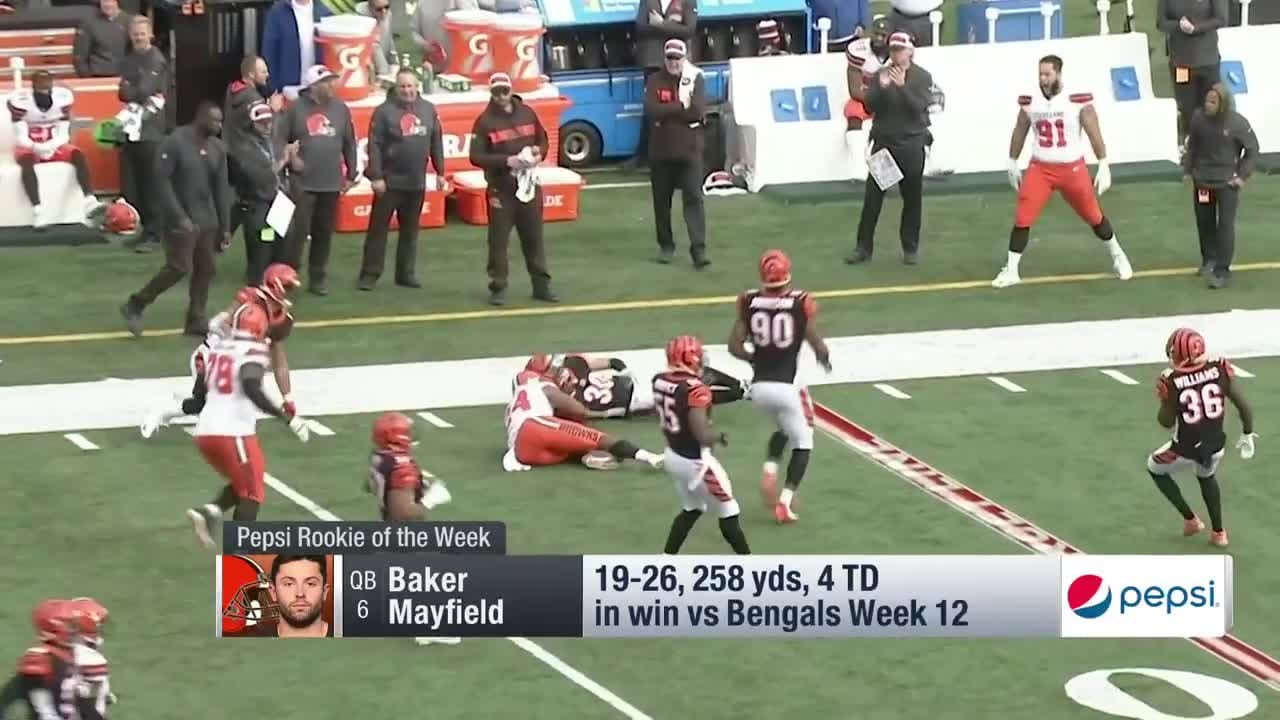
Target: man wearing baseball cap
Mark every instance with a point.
(508, 142)
(260, 161)
(675, 100)
(321, 125)
(658, 21)
(898, 96)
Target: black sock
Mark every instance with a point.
(680, 528)
(225, 499)
(1170, 490)
(246, 510)
(1212, 495)
(796, 468)
(733, 535)
(1103, 230)
(1018, 239)
(777, 443)
(623, 450)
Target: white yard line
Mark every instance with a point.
(1241, 372)
(435, 419)
(891, 391)
(1006, 383)
(1119, 377)
(570, 673)
(80, 441)
(319, 428)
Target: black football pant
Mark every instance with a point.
(251, 215)
(642, 148)
(407, 207)
(506, 212)
(1216, 225)
(665, 177)
(185, 253)
(138, 180)
(314, 215)
(1190, 95)
(910, 159)
(27, 164)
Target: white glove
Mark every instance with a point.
(1245, 443)
(301, 428)
(1015, 175)
(1103, 180)
(436, 495)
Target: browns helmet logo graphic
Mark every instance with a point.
(318, 124)
(246, 595)
(410, 125)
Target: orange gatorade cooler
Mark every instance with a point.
(516, 41)
(347, 41)
(469, 45)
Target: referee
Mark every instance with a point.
(899, 97)
(1221, 153)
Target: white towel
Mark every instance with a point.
(131, 116)
(527, 176)
(688, 75)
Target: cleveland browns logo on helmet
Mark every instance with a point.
(120, 218)
(246, 595)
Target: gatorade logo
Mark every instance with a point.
(526, 49)
(457, 146)
(552, 201)
(349, 57)
(479, 44)
(362, 210)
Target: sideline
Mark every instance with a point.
(650, 304)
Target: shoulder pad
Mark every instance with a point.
(1081, 98)
(62, 96)
(36, 662)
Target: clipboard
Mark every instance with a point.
(884, 169)
(280, 214)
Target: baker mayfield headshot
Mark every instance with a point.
(289, 602)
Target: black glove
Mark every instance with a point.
(617, 365)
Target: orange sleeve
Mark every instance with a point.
(699, 396)
(36, 663)
(810, 306)
(405, 475)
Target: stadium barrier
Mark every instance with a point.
(1251, 72)
(789, 110)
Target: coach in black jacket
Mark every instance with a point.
(658, 21)
(191, 182)
(1191, 40)
(675, 100)
(1221, 152)
(404, 134)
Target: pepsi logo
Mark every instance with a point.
(479, 44)
(1088, 596)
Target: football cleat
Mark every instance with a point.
(600, 460)
(1120, 265)
(769, 484)
(202, 525)
(784, 515)
(1192, 526)
(1008, 277)
(152, 423)
(1219, 538)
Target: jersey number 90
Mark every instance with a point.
(770, 330)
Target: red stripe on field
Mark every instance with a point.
(917, 472)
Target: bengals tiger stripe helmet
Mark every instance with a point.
(775, 269)
(393, 431)
(49, 619)
(1186, 349)
(685, 353)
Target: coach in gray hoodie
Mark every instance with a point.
(1191, 31)
(102, 41)
(321, 125)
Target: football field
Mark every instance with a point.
(958, 420)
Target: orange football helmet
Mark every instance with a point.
(685, 353)
(278, 280)
(393, 431)
(775, 269)
(121, 218)
(50, 621)
(246, 595)
(249, 322)
(1185, 348)
(88, 619)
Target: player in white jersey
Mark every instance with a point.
(1057, 164)
(226, 431)
(542, 429)
(42, 134)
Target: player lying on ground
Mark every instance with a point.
(1191, 396)
(684, 414)
(404, 490)
(607, 388)
(64, 676)
(226, 431)
(543, 428)
(778, 320)
(272, 297)
(1057, 165)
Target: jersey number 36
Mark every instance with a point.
(770, 330)
(1200, 403)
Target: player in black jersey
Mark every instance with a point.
(606, 387)
(1192, 394)
(683, 406)
(778, 320)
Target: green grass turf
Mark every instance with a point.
(144, 566)
(606, 257)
